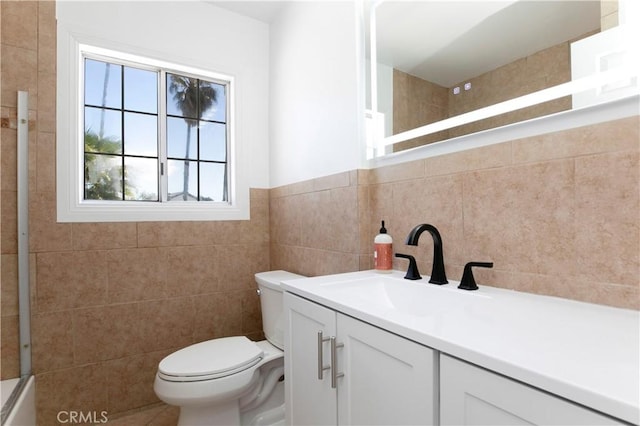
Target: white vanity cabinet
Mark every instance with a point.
(378, 377)
(470, 395)
(417, 353)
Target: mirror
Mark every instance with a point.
(450, 68)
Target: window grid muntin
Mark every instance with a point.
(162, 159)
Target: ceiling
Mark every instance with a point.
(264, 10)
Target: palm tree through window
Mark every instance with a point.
(196, 142)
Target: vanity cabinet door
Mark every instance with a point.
(308, 399)
(388, 380)
(380, 378)
(470, 395)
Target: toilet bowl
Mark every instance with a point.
(231, 380)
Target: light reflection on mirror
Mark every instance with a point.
(450, 68)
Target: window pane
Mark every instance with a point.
(141, 179)
(181, 138)
(123, 144)
(102, 177)
(213, 182)
(140, 90)
(102, 130)
(212, 101)
(213, 141)
(140, 134)
(182, 96)
(183, 180)
(102, 84)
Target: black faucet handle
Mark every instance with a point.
(468, 282)
(412, 271)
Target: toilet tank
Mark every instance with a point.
(271, 303)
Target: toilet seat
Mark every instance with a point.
(209, 360)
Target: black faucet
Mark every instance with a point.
(438, 275)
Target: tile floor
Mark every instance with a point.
(159, 415)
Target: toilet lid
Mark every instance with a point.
(211, 359)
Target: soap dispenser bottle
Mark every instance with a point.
(382, 253)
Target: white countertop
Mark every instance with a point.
(587, 353)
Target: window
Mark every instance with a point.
(127, 157)
(154, 141)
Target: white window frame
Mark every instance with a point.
(71, 206)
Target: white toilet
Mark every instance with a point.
(231, 380)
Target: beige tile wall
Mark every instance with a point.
(316, 226)
(109, 300)
(557, 214)
(608, 14)
(546, 68)
(417, 102)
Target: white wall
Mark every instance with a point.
(315, 94)
(196, 34)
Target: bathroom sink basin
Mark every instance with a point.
(392, 294)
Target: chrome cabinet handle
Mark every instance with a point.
(321, 366)
(334, 365)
